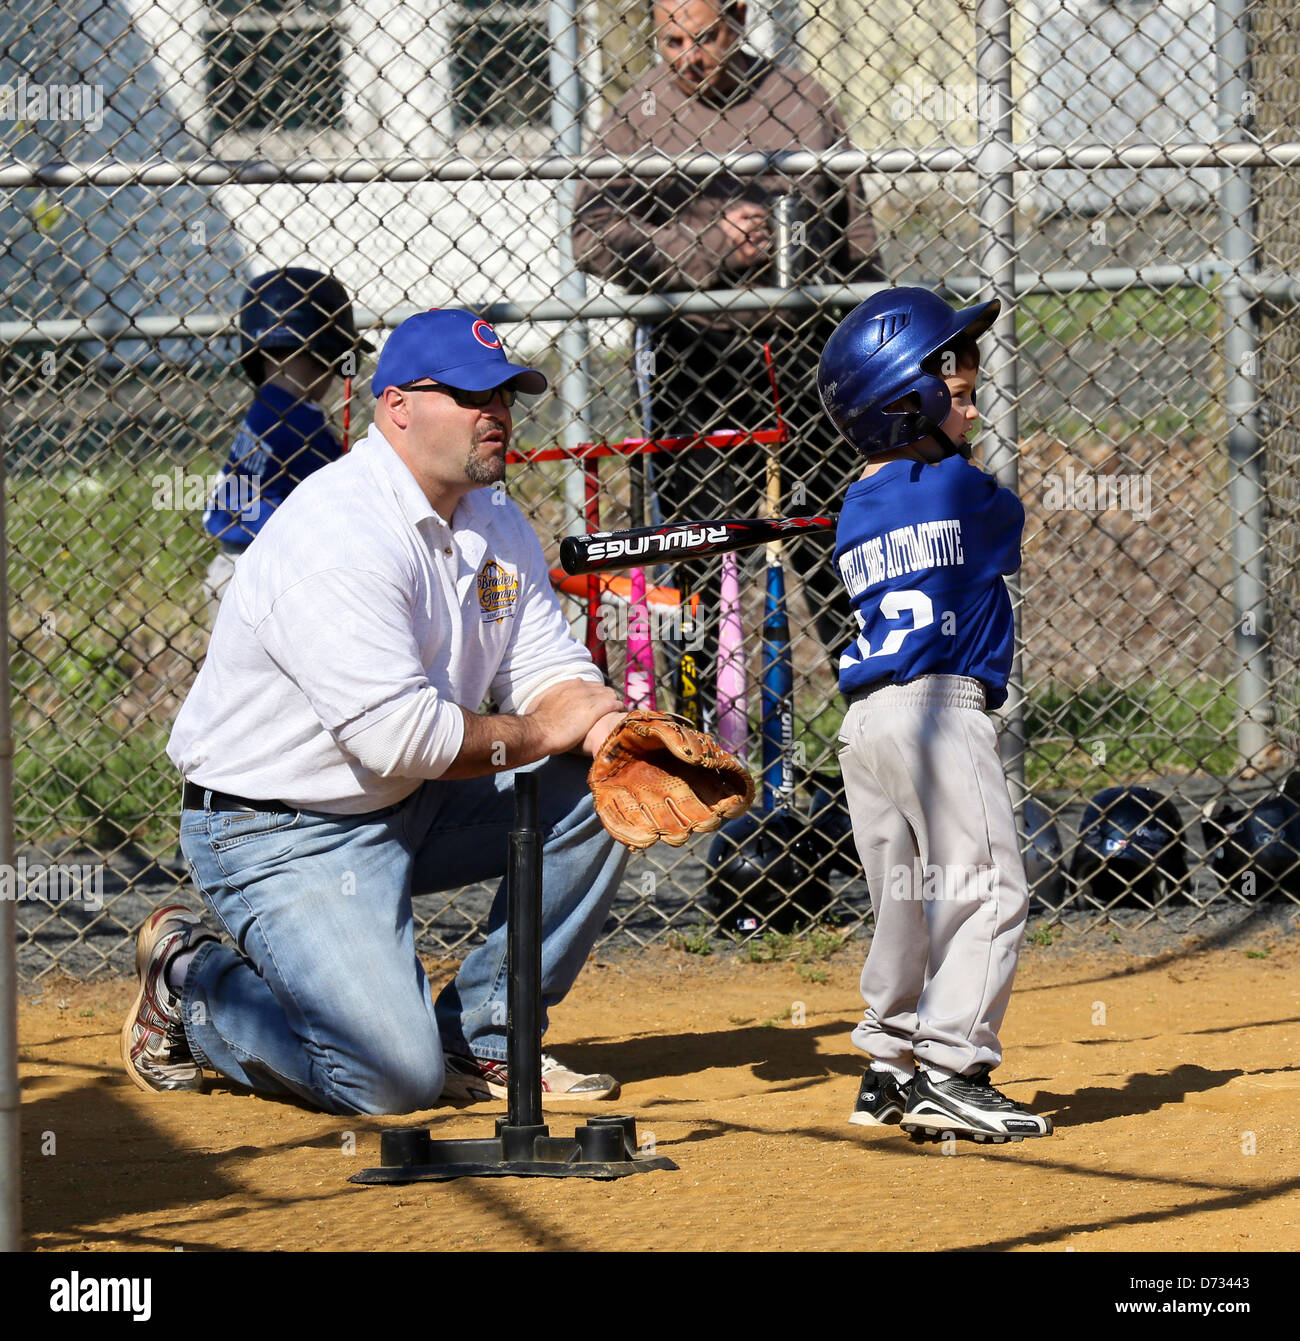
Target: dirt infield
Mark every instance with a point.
(1173, 1080)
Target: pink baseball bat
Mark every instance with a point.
(733, 714)
(639, 674)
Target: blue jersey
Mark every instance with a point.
(282, 440)
(922, 550)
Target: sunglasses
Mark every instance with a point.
(475, 400)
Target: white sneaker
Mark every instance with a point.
(154, 1050)
(968, 1106)
(474, 1079)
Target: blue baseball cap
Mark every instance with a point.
(453, 347)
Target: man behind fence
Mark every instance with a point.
(707, 370)
(335, 763)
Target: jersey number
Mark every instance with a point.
(895, 605)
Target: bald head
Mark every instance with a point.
(698, 39)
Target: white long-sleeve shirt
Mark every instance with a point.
(354, 625)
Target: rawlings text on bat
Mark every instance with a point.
(682, 540)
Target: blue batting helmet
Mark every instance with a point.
(877, 355)
(295, 309)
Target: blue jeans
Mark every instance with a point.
(323, 996)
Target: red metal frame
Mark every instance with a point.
(589, 453)
(586, 451)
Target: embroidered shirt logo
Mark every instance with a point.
(498, 590)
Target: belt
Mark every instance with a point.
(194, 797)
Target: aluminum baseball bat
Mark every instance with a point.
(601, 550)
(688, 671)
(733, 716)
(639, 672)
(777, 696)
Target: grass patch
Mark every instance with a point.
(97, 545)
(1049, 322)
(817, 735)
(811, 947)
(1088, 327)
(696, 941)
(1080, 734)
(107, 629)
(1167, 422)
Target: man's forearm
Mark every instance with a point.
(632, 251)
(570, 715)
(495, 742)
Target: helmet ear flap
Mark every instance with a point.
(914, 415)
(936, 400)
(909, 428)
(252, 365)
(904, 421)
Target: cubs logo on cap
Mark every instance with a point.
(485, 335)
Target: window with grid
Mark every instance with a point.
(499, 66)
(272, 66)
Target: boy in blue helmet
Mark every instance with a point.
(924, 539)
(296, 337)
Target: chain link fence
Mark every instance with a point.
(1123, 175)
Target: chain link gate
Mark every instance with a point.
(1119, 176)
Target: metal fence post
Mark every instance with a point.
(566, 123)
(996, 260)
(10, 1095)
(1252, 618)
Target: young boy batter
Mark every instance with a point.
(924, 538)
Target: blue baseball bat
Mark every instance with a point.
(778, 692)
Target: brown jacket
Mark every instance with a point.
(662, 235)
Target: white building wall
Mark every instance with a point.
(396, 246)
(1102, 73)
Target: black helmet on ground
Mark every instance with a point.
(766, 872)
(1130, 851)
(1044, 858)
(828, 814)
(1255, 849)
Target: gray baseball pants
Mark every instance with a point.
(934, 827)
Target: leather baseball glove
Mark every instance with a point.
(656, 777)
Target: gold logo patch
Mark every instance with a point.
(498, 589)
